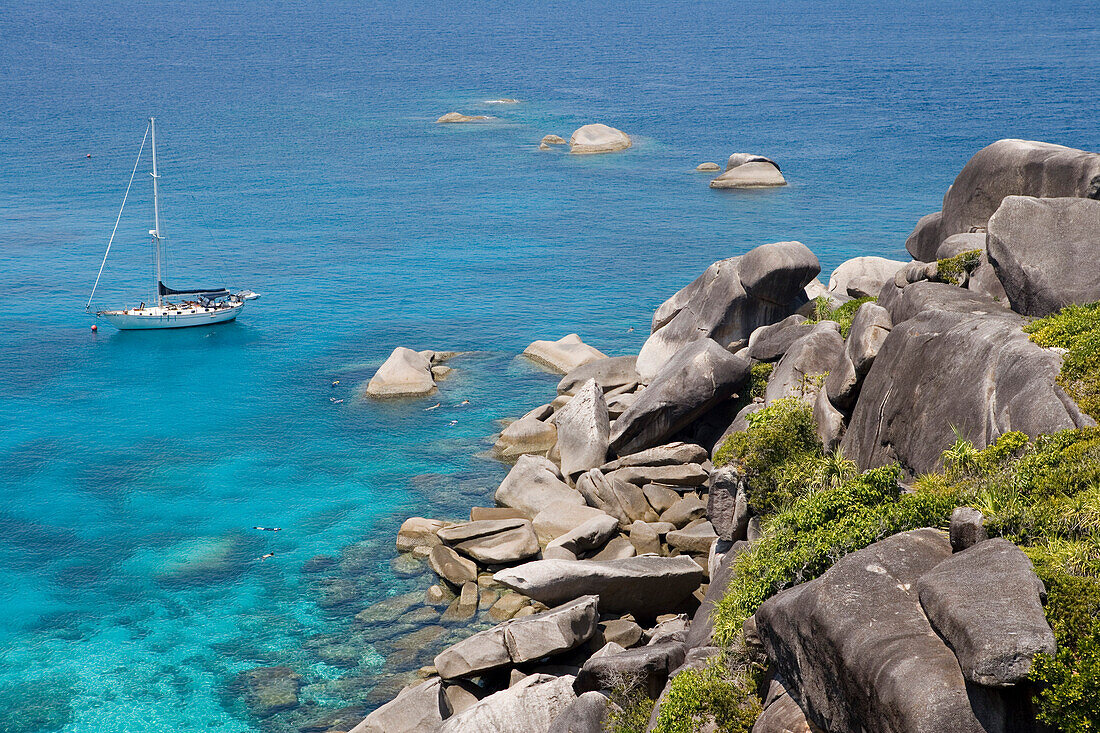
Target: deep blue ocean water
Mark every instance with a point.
(299, 159)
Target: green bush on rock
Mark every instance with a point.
(842, 314)
(951, 269)
(1077, 329)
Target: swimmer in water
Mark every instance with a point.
(334, 401)
(452, 423)
(464, 402)
(437, 404)
(630, 330)
(336, 383)
(268, 529)
(270, 554)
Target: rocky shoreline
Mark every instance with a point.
(603, 587)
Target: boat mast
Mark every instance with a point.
(156, 205)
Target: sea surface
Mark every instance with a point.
(299, 158)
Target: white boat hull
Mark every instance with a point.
(150, 318)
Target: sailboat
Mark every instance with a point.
(169, 308)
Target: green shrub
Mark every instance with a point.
(1067, 683)
(842, 314)
(779, 453)
(951, 269)
(716, 692)
(1076, 328)
(634, 708)
(758, 378)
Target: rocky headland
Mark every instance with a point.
(862, 505)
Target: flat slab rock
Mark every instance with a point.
(521, 640)
(493, 541)
(530, 706)
(563, 355)
(609, 373)
(986, 604)
(644, 586)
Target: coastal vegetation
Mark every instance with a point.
(1075, 328)
(952, 269)
(842, 314)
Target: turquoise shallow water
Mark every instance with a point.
(299, 160)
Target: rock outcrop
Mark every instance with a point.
(745, 170)
(405, 373)
(615, 372)
(801, 371)
(454, 117)
(1005, 168)
(493, 541)
(862, 276)
(530, 706)
(697, 378)
(583, 430)
(1045, 251)
(533, 484)
(730, 300)
(563, 355)
(971, 354)
(598, 138)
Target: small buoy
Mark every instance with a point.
(94, 328)
(88, 155)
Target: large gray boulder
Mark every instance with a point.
(1045, 252)
(530, 706)
(589, 536)
(700, 375)
(971, 354)
(769, 343)
(728, 504)
(583, 430)
(563, 355)
(806, 362)
(647, 666)
(1005, 168)
(858, 652)
(986, 603)
(729, 300)
(493, 541)
(870, 327)
(586, 714)
(527, 435)
(560, 518)
(521, 640)
(533, 484)
(782, 715)
(671, 454)
(417, 709)
(864, 274)
(610, 373)
(745, 170)
(645, 586)
(598, 138)
(620, 499)
(406, 373)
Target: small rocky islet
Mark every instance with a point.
(645, 567)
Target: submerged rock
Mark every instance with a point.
(269, 690)
(452, 117)
(707, 167)
(552, 140)
(598, 138)
(563, 355)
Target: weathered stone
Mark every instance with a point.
(708, 167)
(648, 666)
(828, 421)
(645, 539)
(622, 631)
(870, 327)
(1005, 168)
(626, 502)
(745, 170)
(690, 475)
(591, 535)
(717, 305)
(783, 715)
(799, 372)
(660, 497)
(672, 454)
(856, 646)
(598, 138)
(697, 378)
(449, 565)
(870, 272)
(508, 605)
(987, 377)
(586, 714)
(769, 343)
(418, 532)
(526, 435)
(1039, 248)
(610, 373)
(458, 695)
(563, 355)
(727, 503)
(986, 604)
(619, 548)
(842, 384)
(533, 484)
(687, 509)
(644, 586)
(530, 706)
(478, 513)
(583, 430)
(560, 518)
(464, 606)
(418, 709)
(696, 539)
(269, 690)
(405, 373)
(967, 528)
(493, 541)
